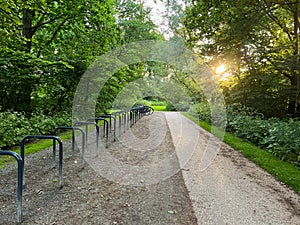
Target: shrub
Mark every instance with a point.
(170, 107)
(14, 126)
(281, 138)
(202, 111)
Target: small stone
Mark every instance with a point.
(172, 212)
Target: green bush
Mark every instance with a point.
(14, 126)
(281, 138)
(158, 103)
(180, 106)
(202, 111)
(170, 107)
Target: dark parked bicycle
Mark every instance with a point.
(147, 110)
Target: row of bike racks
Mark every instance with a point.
(126, 119)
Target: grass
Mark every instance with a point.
(39, 145)
(283, 171)
(159, 107)
(33, 148)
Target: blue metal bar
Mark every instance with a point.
(20, 180)
(131, 117)
(119, 115)
(111, 117)
(128, 119)
(86, 123)
(114, 114)
(105, 127)
(120, 123)
(73, 139)
(22, 144)
(125, 115)
(115, 125)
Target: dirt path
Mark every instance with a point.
(164, 170)
(88, 197)
(232, 190)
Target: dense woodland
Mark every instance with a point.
(46, 46)
(259, 42)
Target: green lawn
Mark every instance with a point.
(33, 148)
(159, 107)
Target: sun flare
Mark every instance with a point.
(220, 69)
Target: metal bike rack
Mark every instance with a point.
(135, 111)
(55, 138)
(82, 123)
(119, 115)
(105, 127)
(138, 112)
(130, 118)
(111, 117)
(20, 180)
(125, 119)
(126, 116)
(73, 139)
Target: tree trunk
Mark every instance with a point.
(294, 103)
(24, 96)
(27, 28)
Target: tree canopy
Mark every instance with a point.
(47, 45)
(259, 42)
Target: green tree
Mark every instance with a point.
(260, 40)
(134, 22)
(63, 35)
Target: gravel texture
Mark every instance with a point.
(163, 170)
(224, 186)
(89, 198)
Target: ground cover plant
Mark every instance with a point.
(277, 136)
(14, 126)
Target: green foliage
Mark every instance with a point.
(28, 83)
(180, 106)
(47, 46)
(159, 108)
(158, 103)
(279, 137)
(14, 126)
(134, 22)
(170, 107)
(259, 43)
(202, 111)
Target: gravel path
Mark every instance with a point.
(164, 170)
(90, 196)
(232, 190)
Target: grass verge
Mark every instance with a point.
(33, 148)
(283, 171)
(159, 107)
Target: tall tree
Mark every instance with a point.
(135, 22)
(260, 39)
(63, 35)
